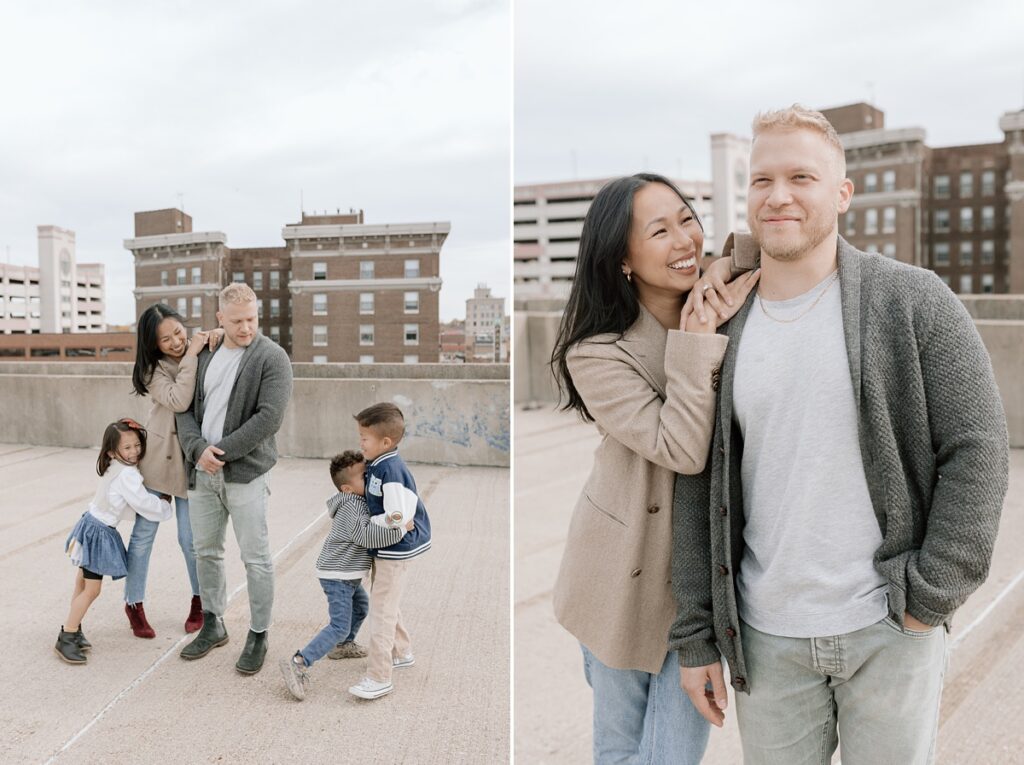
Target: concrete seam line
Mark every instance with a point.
(152, 668)
(984, 614)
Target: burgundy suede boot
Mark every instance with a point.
(194, 622)
(137, 619)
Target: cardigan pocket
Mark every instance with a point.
(594, 505)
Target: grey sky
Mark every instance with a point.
(400, 108)
(641, 86)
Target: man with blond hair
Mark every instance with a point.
(227, 435)
(858, 471)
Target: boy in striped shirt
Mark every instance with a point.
(344, 560)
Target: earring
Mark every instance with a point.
(629, 276)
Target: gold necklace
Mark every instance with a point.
(833, 280)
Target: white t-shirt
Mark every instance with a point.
(218, 384)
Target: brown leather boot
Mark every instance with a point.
(137, 620)
(194, 622)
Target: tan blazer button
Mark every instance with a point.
(653, 509)
(636, 573)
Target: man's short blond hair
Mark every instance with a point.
(236, 292)
(797, 117)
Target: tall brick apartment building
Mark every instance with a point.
(958, 210)
(339, 290)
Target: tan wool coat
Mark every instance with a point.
(652, 395)
(171, 388)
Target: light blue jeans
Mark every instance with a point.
(644, 719)
(140, 546)
(211, 503)
(360, 608)
(340, 600)
(878, 688)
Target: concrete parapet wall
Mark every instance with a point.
(460, 417)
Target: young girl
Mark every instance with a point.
(94, 544)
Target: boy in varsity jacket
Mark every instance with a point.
(393, 501)
(344, 560)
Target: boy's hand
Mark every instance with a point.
(410, 525)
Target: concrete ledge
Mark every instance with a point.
(460, 419)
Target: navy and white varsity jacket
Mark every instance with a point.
(390, 490)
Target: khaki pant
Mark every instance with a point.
(388, 638)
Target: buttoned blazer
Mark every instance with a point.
(171, 388)
(652, 395)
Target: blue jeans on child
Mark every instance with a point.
(360, 608)
(644, 719)
(140, 546)
(341, 595)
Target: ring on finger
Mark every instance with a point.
(705, 287)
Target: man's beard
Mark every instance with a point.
(790, 250)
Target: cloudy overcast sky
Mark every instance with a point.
(604, 89)
(400, 108)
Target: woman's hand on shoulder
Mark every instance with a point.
(216, 335)
(197, 342)
(724, 298)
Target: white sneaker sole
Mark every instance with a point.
(362, 693)
(399, 663)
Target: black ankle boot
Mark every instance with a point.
(68, 649)
(84, 644)
(210, 636)
(251, 660)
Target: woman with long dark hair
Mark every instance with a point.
(165, 370)
(630, 359)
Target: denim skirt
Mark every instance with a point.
(95, 546)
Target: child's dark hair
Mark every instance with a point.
(342, 464)
(386, 420)
(147, 354)
(112, 439)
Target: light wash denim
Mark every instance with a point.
(340, 596)
(360, 608)
(140, 546)
(211, 503)
(644, 719)
(878, 688)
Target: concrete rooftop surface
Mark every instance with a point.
(982, 714)
(136, 701)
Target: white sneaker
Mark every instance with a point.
(403, 661)
(371, 689)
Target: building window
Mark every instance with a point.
(366, 302)
(889, 220)
(238, 276)
(966, 253)
(275, 308)
(366, 334)
(320, 304)
(988, 252)
(183, 307)
(411, 358)
(851, 223)
(366, 269)
(942, 186)
(889, 180)
(870, 183)
(257, 280)
(412, 268)
(163, 278)
(412, 302)
(941, 254)
(319, 359)
(259, 307)
(319, 335)
(967, 184)
(889, 250)
(988, 183)
(988, 218)
(412, 334)
(275, 334)
(942, 220)
(197, 308)
(275, 280)
(966, 284)
(871, 221)
(181, 276)
(366, 358)
(319, 271)
(197, 274)
(945, 279)
(987, 283)
(966, 219)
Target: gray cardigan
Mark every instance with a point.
(934, 444)
(263, 386)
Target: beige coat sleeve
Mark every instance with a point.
(174, 393)
(676, 433)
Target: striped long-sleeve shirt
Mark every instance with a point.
(344, 554)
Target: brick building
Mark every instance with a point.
(339, 290)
